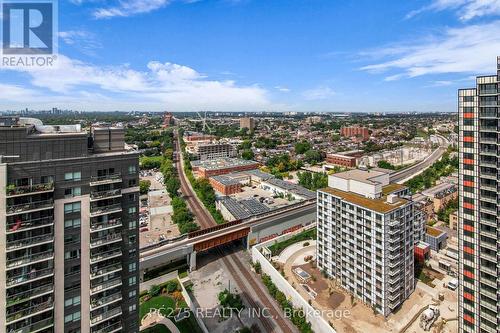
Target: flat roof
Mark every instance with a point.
(245, 208)
(434, 232)
(293, 188)
(222, 163)
(379, 205)
(225, 180)
(391, 188)
(364, 176)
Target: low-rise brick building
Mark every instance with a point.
(341, 160)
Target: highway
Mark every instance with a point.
(421, 166)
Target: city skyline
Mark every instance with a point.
(251, 56)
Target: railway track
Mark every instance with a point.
(247, 283)
(203, 218)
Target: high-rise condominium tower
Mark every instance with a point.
(478, 215)
(68, 229)
(366, 237)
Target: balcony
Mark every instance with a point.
(97, 226)
(487, 103)
(106, 179)
(487, 114)
(488, 92)
(29, 277)
(94, 320)
(28, 224)
(108, 239)
(116, 327)
(488, 139)
(488, 128)
(103, 210)
(100, 287)
(106, 300)
(29, 259)
(105, 255)
(35, 327)
(19, 191)
(29, 207)
(31, 311)
(95, 196)
(100, 271)
(29, 242)
(29, 294)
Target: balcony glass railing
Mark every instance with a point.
(106, 284)
(26, 295)
(21, 208)
(105, 194)
(103, 316)
(28, 311)
(105, 255)
(107, 329)
(109, 238)
(28, 224)
(98, 271)
(101, 301)
(105, 178)
(22, 278)
(29, 241)
(30, 189)
(26, 259)
(488, 114)
(488, 92)
(95, 226)
(39, 325)
(98, 210)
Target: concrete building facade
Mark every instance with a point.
(365, 237)
(478, 292)
(68, 209)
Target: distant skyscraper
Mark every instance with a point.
(247, 122)
(69, 237)
(478, 215)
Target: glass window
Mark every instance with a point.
(72, 207)
(131, 308)
(132, 281)
(132, 267)
(132, 210)
(132, 169)
(132, 294)
(74, 223)
(73, 176)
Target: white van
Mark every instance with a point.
(453, 284)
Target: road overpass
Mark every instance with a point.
(252, 231)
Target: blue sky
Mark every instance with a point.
(276, 55)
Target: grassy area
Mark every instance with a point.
(179, 265)
(166, 303)
(157, 329)
(278, 247)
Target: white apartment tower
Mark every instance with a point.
(366, 237)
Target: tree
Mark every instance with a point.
(302, 147)
(312, 156)
(144, 186)
(385, 165)
(247, 154)
(172, 185)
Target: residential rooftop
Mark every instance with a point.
(365, 176)
(222, 163)
(293, 188)
(379, 205)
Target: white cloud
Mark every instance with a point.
(126, 8)
(162, 85)
(466, 9)
(319, 93)
(471, 49)
(282, 89)
(82, 40)
(15, 93)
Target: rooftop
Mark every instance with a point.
(225, 180)
(245, 208)
(391, 188)
(379, 205)
(434, 232)
(364, 176)
(222, 163)
(293, 188)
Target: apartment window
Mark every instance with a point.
(47, 179)
(132, 294)
(468, 122)
(132, 225)
(132, 169)
(132, 210)
(468, 98)
(71, 239)
(72, 301)
(131, 240)
(73, 176)
(73, 207)
(72, 317)
(132, 182)
(73, 254)
(132, 267)
(132, 281)
(132, 308)
(73, 192)
(73, 223)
